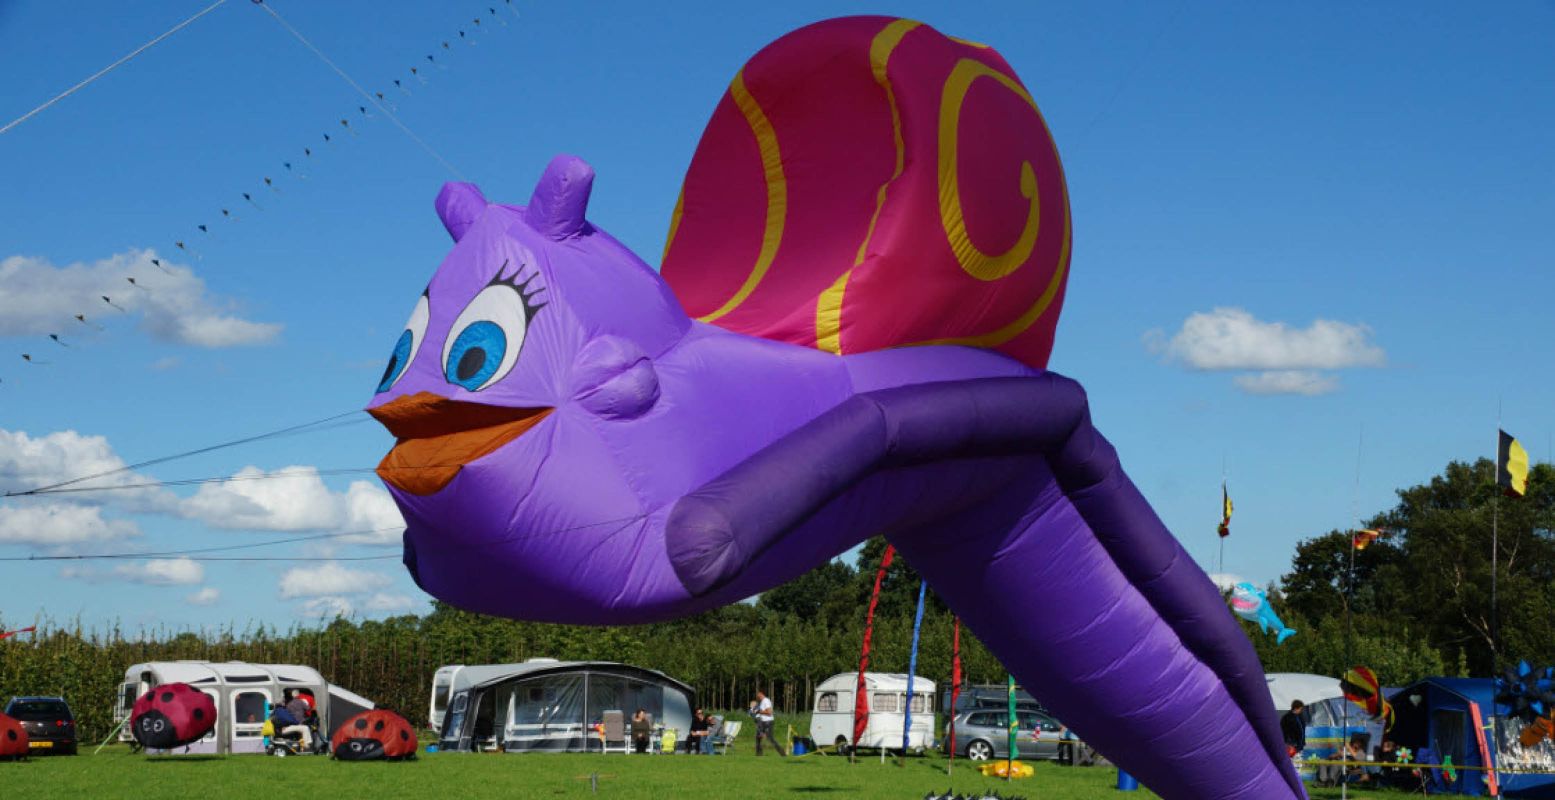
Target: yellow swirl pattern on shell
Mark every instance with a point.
(828, 309)
(973, 260)
(1031, 315)
(777, 192)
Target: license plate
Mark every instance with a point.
(44, 745)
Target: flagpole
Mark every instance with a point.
(861, 694)
(912, 670)
(1495, 566)
(1349, 614)
(1221, 570)
(955, 690)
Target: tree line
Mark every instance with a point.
(1419, 605)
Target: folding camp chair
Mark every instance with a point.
(723, 740)
(615, 732)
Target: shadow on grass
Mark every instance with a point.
(181, 759)
(814, 789)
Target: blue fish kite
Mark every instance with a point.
(1250, 603)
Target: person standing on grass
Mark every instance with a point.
(642, 728)
(762, 710)
(1293, 727)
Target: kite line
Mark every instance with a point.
(306, 427)
(111, 67)
(354, 85)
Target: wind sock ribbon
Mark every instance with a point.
(1360, 686)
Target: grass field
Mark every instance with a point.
(740, 776)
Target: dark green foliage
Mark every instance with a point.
(1421, 598)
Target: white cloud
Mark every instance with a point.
(60, 524)
(291, 498)
(39, 298)
(329, 579)
(384, 602)
(1225, 580)
(297, 500)
(163, 572)
(1233, 339)
(367, 507)
(325, 608)
(28, 462)
(207, 596)
(1278, 359)
(1287, 381)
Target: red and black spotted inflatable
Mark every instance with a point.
(13, 738)
(373, 735)
(172, 715)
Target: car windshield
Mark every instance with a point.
(31, 709)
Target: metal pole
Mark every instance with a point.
(1349, 618)
(1495, 568)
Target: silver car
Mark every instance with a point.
(983, 734)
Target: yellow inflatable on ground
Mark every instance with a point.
(1012, 769)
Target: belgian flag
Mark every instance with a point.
(1511, 466)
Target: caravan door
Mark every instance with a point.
(245, 718)
(442, 688)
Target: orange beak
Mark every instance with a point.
(438, 436)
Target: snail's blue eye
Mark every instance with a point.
(476, 355)
(397, 361)
(483, 344)
(405, 349)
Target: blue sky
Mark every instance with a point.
(1386, 168)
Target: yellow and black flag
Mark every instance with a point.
(1225, 512)
(1511, 466)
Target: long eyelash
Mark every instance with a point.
(525, 287)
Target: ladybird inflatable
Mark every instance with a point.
(172, 715)
(373, 736)
(13, 738)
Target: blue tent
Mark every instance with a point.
(1434, 715)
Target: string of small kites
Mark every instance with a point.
(298, 169)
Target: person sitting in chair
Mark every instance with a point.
(298, 709)
(698, 732)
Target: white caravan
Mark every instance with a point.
(450, 680)
(832, 721)
(243, 693)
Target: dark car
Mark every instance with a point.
(983, 734)
(989, 695)
(51, 728)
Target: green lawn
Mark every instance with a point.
(117, 773)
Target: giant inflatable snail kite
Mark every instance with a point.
(848, 338)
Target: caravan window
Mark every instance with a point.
(440, 697)
(826, 702)
(883, 701)
(547, 712)
(453, 724)
(249, 707)
(919, 702)
(1319, 715)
